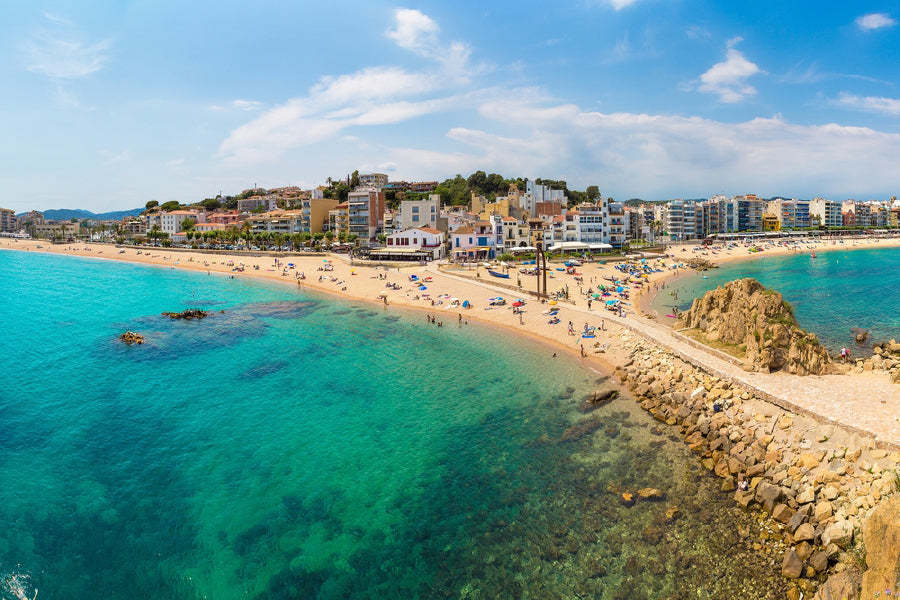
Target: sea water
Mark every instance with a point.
(290, 445)
(834, 294)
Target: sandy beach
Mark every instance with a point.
(848, 400)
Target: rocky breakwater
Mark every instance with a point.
(759, 325)
(813, 484)
(885, 359)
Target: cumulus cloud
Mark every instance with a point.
(881, 105)
(650, 155)
(375, 95)
(875, 21)
(414, 31)
(728, 79)
(62, 52)
(418, 33)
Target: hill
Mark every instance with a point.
(61, 214)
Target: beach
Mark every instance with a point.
(846, 400)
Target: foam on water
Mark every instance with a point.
(294, 446)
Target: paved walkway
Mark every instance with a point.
(867, 403)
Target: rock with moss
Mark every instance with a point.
(746, 315)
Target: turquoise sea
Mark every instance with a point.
(294, 446)
(833, 295)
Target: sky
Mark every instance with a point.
(108, 105)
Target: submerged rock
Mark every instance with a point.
(130, 337)
(579, 430)
(598, 398)
(190, 313)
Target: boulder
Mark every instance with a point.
(840, 586)
(768, 495)
(651, 494)
(782, 513)
(792, 565)
(598, 398)
(805, 532)
(839, 534)
(881, 534)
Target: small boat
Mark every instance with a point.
(497, 274)
(814, 254)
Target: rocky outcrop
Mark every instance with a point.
(701, 264)
(881, 533)
(758, 322)
(885, 359)
(130, 337)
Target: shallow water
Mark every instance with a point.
(833, 295)
(294, 446)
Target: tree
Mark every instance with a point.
(381, 238)
(354, 179)
(211, 204)
(592, 192)
(188, 224)
(151, 204)
(171, 205)
(477, 182)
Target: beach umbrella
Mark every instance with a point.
(422, 287)
(620, 289)
(595, 295)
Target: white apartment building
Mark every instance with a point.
(419, 238)
(825, 212)
(419, 213)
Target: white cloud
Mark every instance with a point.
(650, 155)
(875, 21)
(728, 79)
(375, 95)
(696, 32)
(247, 104)
(414, 31)
(620, 4)
(418, 33)
(881, 105)
(62, 54)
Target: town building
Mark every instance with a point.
(314, 213)
(373, 180)
(419, 213)
(419, 239)
(8, 221)
(681, 220)
(474, 242)
(267, 202)
(277, 221)
(339, 219)
(365, 212)
(825, 213)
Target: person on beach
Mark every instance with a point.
(582, 351)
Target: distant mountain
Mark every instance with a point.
(62, 214)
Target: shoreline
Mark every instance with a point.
(863, 401)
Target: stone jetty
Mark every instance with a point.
(816, 484)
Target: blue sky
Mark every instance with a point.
(110, 104)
